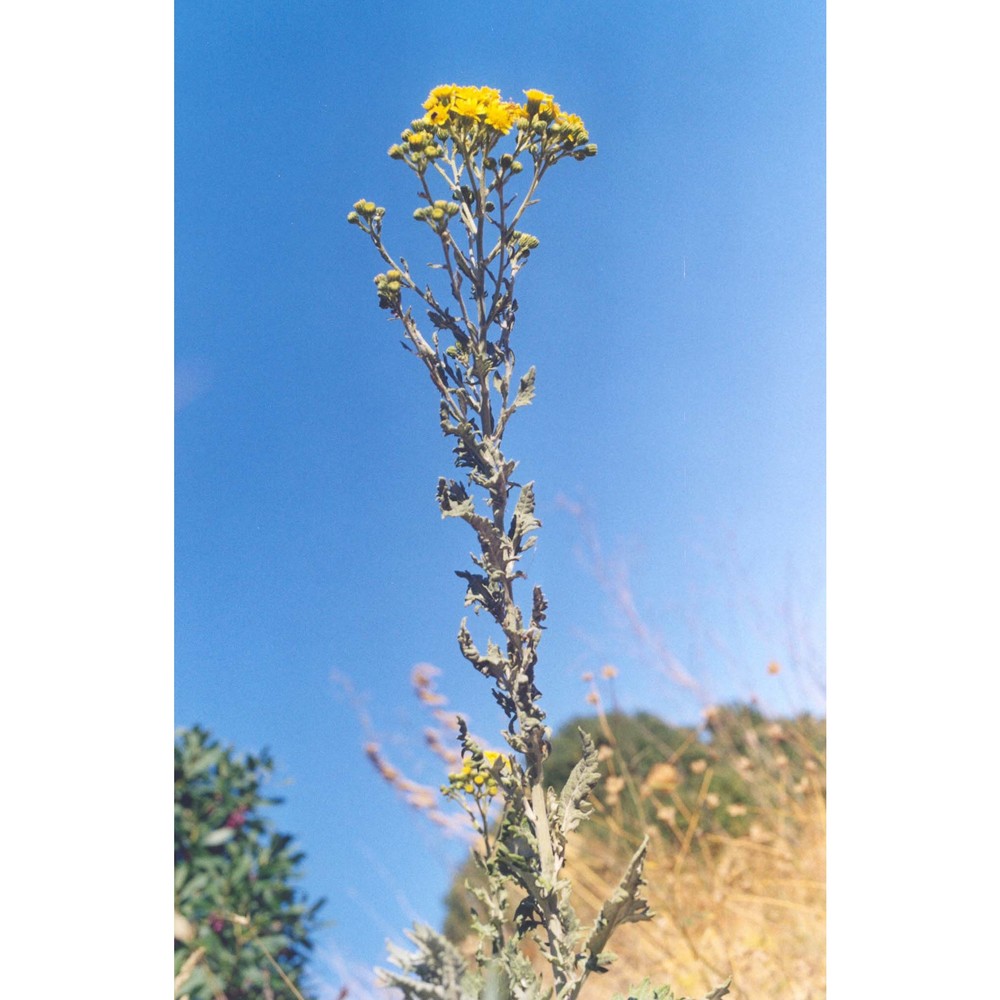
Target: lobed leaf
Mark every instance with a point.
(573, 806)
(627, 904)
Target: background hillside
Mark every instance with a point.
(736, 813)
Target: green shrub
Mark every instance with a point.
(241, 928)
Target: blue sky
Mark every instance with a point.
(675, 312)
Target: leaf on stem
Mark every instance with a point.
(526, 388)
(440, 970)
(573, 805)
(524, 520)
(627, 904)
(453, 499)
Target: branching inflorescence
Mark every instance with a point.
(455, 150)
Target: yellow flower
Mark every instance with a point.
(501, 116)
(540, 103)
(440, 95)
(469, 105)
(536, 98)
(572, 121)
(437, 114)
(493, 757)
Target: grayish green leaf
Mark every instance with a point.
(625, 905)
(526, 388)
(573, 806)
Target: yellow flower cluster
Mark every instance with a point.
(469, 106)
(540, 105)
(479, 776)
(450, 106)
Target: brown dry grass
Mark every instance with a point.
(750, 907)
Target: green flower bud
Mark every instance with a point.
(396, 152)
(516, 167)
(352, 218)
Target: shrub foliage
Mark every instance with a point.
(242, 929)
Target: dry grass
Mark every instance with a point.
(750, 907)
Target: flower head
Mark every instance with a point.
(464, 110)
(540, 103)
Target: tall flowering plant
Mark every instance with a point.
(479, 160)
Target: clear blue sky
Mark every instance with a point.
(675, 313)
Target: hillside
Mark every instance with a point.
(736, 814)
